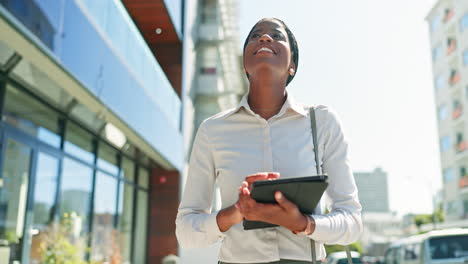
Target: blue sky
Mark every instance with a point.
(370, 61)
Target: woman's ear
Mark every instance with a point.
(292, 69)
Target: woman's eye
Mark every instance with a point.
(255, 35)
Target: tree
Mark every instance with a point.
(357, 246)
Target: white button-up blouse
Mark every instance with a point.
(236, 143)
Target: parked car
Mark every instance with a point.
(438, 246)
(340, 258)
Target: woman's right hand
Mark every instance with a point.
(231, 215)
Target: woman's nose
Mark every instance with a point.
(264, 38)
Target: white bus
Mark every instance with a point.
(438, 246)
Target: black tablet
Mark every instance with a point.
(305, 192)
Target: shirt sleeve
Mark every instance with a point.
(196, 225)
(343, 225)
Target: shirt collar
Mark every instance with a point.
(290, 103)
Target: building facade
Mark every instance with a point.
(448, 26)
(373, 190)
(214, 81)
(91, 141)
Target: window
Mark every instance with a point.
(464, 22)
(139, 246)
(105, 239)
(448, 174)
(439, 82)
(125, 220)
(462, 171)
(13, 194)
(451, 207)
(31, 116)
(75, 200)
(435, 23)
(143, 178)
(436, 52)
(442, 112)
(412, 251)
(445, 143)
(108, 159)
(79, 143)
(465, 57)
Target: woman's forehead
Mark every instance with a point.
(268, 24)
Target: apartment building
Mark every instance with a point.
(448, 26)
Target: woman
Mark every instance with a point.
(268, 131)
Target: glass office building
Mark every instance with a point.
(90, 137)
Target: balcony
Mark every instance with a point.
(461, 146)
(210, 32)
(455, 77)
(209, 82)
(448, 15)
(451, 46)
(457, 113)
(463, 182)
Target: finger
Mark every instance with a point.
(256, 177)
(245, 184)
(246, 191)
(284, 202)
(273, 175)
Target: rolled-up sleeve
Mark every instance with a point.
(343, 225)
(196, 225)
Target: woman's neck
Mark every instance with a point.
(266, 96)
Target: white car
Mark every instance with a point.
(340, 258)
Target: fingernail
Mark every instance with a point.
(278, 195)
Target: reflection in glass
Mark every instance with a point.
(13, 194)
(105, 242)
(128, 169)
(75, 198)
(79, 143)
(34, 18)
(28, 114)
(125, 220)
(139, 246)
(44, 197)
(143, 177)
(108, 159)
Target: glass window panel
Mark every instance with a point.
(87, 117)
(75, 198)
(128, 169)
(42, 84)
(139, 245)
(5, 52)
(105, 244)
(14, 181)
(440, 83)
(45, 189)
(28, 114)
(79, 143)
(143, 177)
(443, 112)
(125, 220)
(464, 22)
(465, 57)
(436, 52)
(108, 159)
(445, 143)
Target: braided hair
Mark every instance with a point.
(292, 45)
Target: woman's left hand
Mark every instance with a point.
(285, 213)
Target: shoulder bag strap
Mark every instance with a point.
(313, 125)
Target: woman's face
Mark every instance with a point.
(268, 46)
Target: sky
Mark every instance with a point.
(370, 61)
